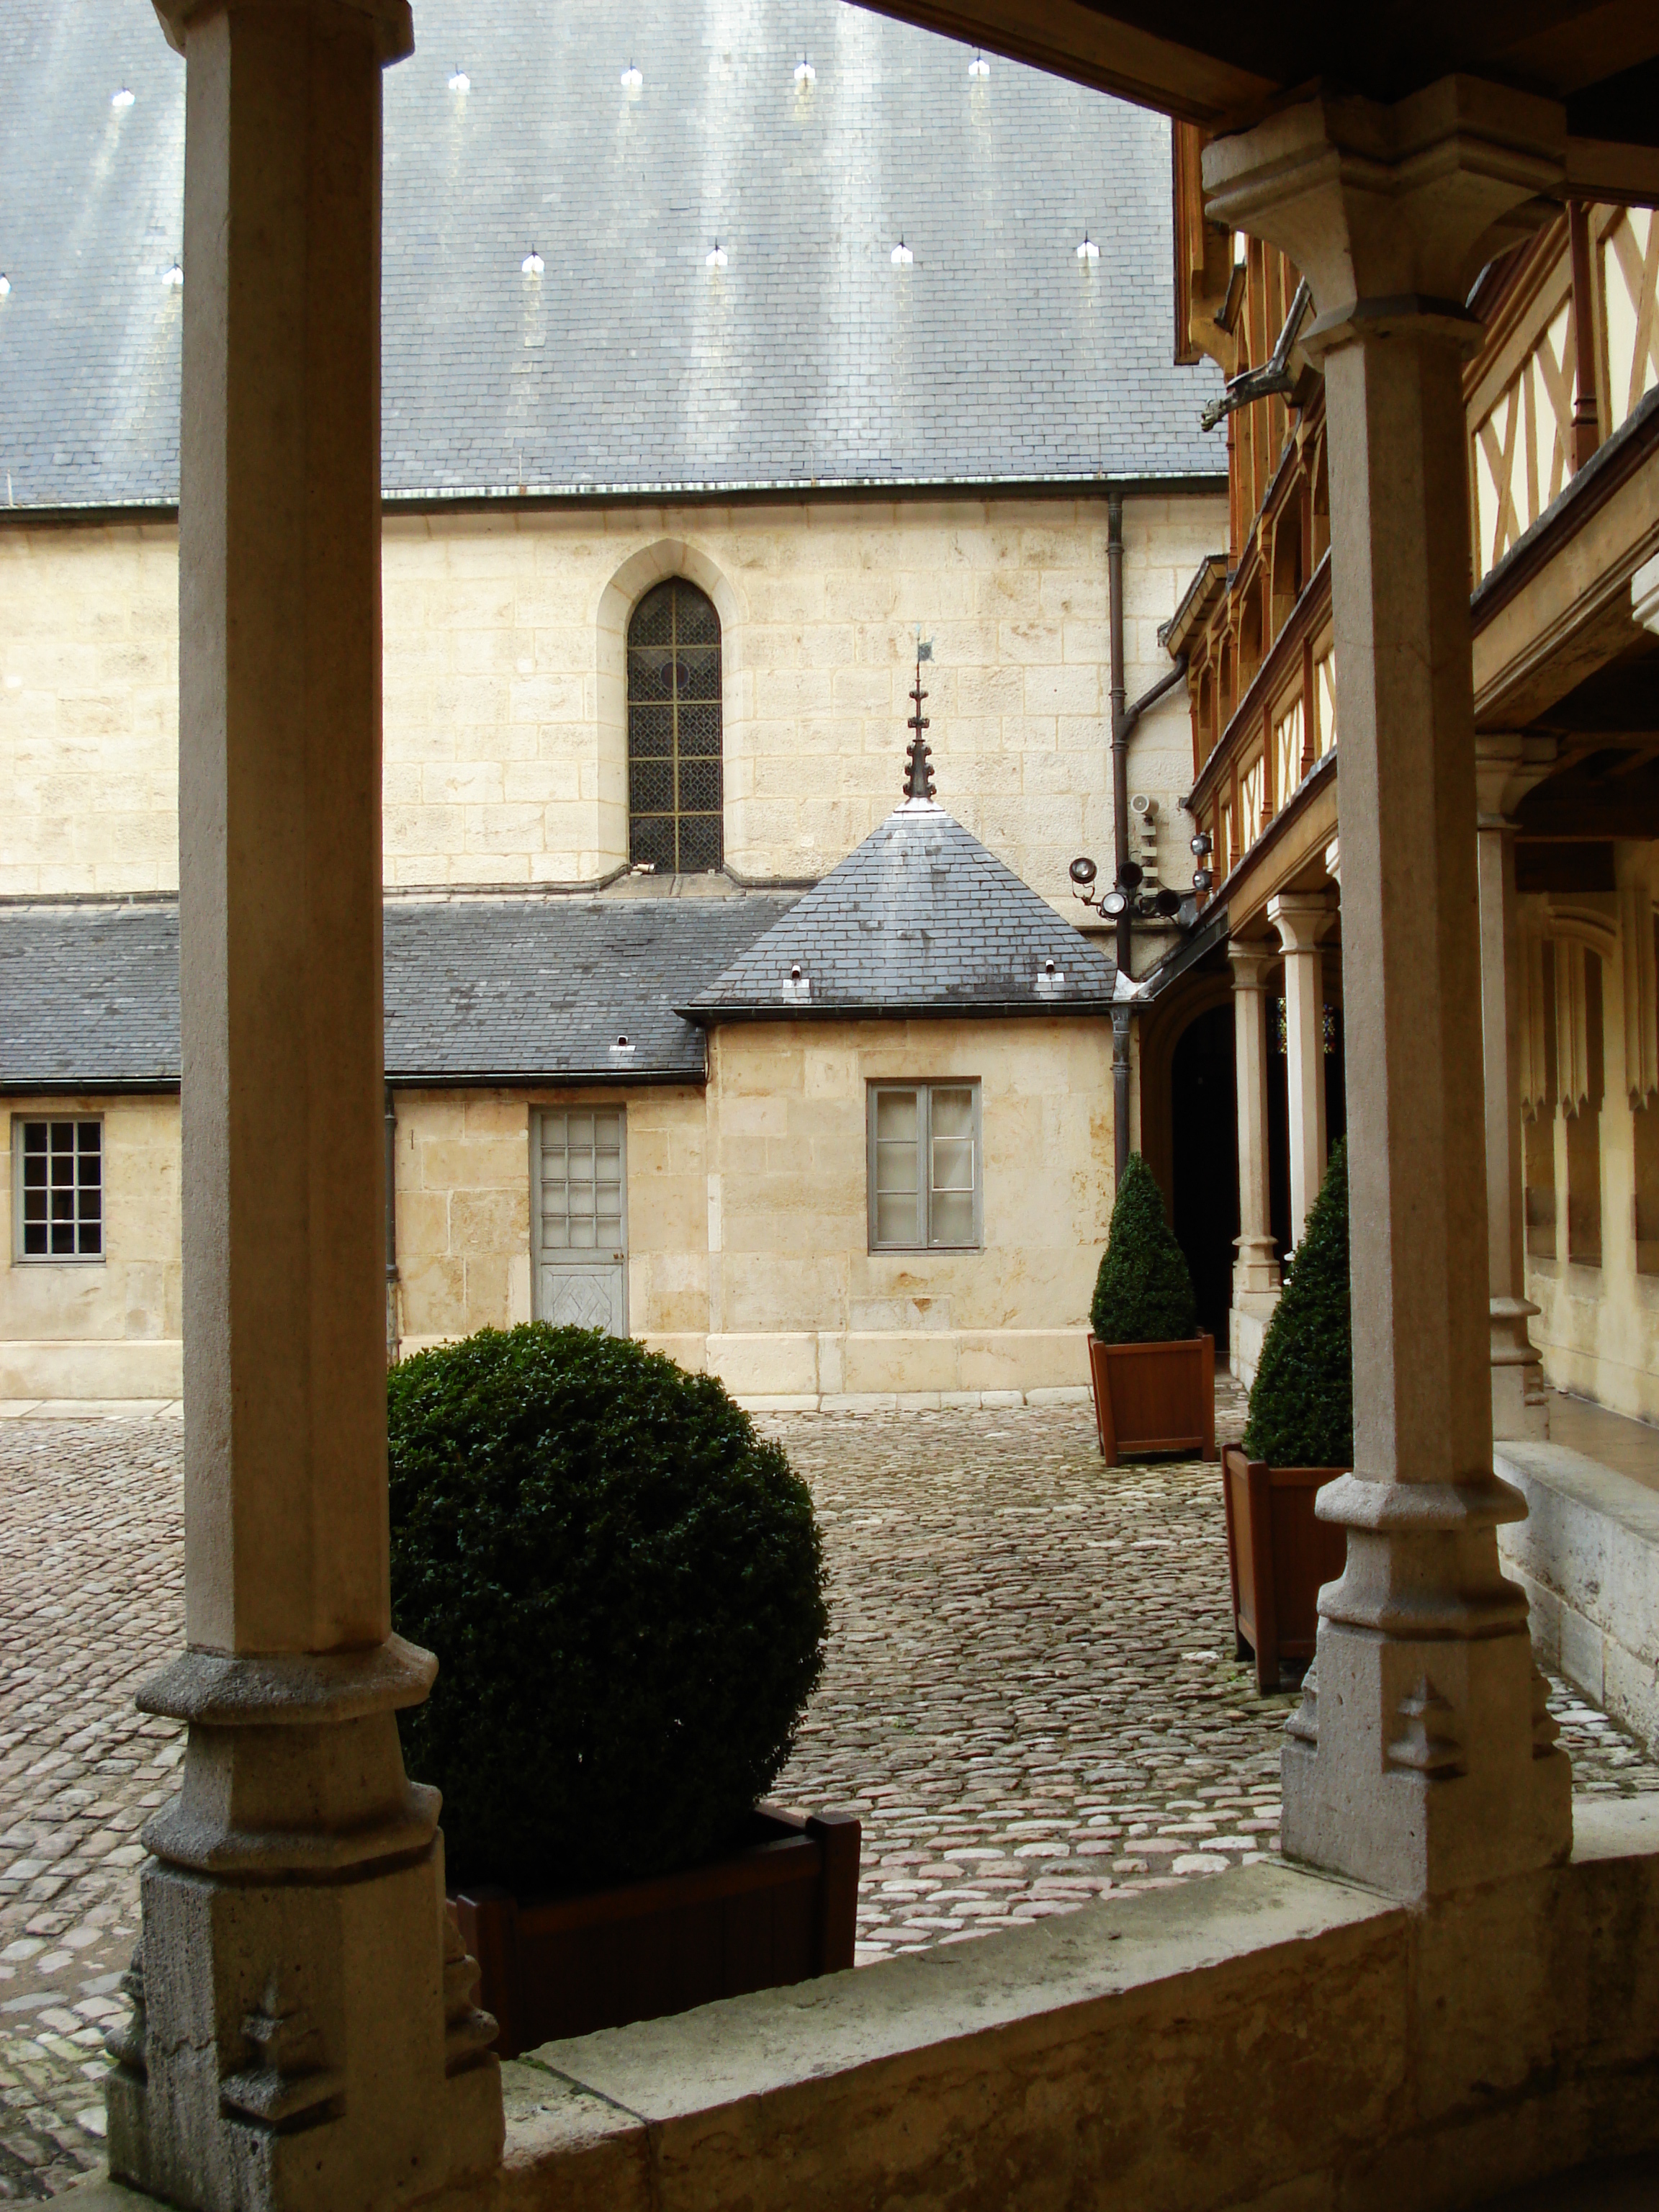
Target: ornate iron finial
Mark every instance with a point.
(918, 780)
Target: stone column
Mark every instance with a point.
(1423, 1758)
(303, 2031)
(1256, 1270)
(1302, 920)
(1506, 767)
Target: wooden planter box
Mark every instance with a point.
(779, 1909)
(1278, 1554)
(1154, 1398)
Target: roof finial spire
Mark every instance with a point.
(918, 780)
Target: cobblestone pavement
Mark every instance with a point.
(1030, 1698)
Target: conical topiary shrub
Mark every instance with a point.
(1144, 1292)
(1302, 1404)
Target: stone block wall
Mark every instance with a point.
(747, 1222)
(108, 1328)
(506, 749)
(88, 708)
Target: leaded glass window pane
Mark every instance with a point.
(675, 785)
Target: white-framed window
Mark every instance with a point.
(58, 1187)
(924, 1167)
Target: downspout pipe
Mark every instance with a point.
(1119, 718)
(391, 1227)
(1124, 719)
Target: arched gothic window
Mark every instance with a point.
(674, 782)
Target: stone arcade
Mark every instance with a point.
(1493, 2015)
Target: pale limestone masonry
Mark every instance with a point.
(748, 1242)
(107, 1329)
(505, 725)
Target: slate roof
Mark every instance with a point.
(627, 366)
(476, 989)
(920, 920)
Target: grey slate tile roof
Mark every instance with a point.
(920, 920)
(627, 366)
(476, 989)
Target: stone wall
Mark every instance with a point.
(463, 1185)
(748, 1240)
(107, 1329)
(1597, 1330)
(505, 725)
(1269, 2040)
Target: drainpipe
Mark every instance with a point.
(1119, 723)
(390, 1229)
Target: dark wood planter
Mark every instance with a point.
(1278, 1554)
(1154, 1397)
(781, 1909)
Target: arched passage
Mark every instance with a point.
(1203, 1160)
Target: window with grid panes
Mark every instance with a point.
(582, 1181)
(57, 1190)
(674, 782)
(924, 1167)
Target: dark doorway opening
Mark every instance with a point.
(1204, 1162)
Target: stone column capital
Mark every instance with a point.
(392, 22)
(1251, 963)
(1302, 918)
(1507, 764)
(1388, 211)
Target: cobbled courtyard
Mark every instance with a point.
(1031, 1699)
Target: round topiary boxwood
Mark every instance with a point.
(1144, 1291)
(624, 1587)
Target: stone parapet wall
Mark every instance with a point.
(1587, 1557)
(1268, 2041)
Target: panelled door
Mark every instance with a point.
(581, 1217)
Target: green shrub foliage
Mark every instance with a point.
(1302, 1405)
(1143, 1293)
(624, 1587)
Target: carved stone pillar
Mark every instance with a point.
(1256, 1270)
(1423, 1758)
(303, 2033)
(1301, 921)
(1506, 767)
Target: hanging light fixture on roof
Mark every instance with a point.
(532, 264)
(124, 98)
(979, 66)
(459, 80)
(631, 79)
(1088, 250)
(902, 256)
(804, 73)
(717, 258)
(173, 278)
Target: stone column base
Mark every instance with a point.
(1520, 1403)
(298, 2036)
(1440, 1767)
(304, 2036)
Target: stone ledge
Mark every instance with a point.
(1268, 2041)
(1587, 1558)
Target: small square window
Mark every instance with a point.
(58, 1189)
(924, 1167)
